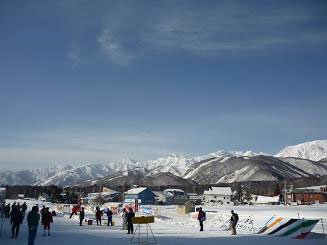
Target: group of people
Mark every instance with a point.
(232, 221)
(127, 216)
(16, 213)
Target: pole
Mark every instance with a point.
(285, 193)
(323, 229)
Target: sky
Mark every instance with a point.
(98, 81)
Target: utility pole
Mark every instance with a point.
(285, 192)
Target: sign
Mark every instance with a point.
(147, 210)
(143, 220)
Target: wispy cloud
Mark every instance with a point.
(76, 148)
(75, 56)
(223, 28)
(113, 49)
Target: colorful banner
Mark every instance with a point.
(295, 228)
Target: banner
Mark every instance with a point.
(295, 228)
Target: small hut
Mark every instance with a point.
(187, 208)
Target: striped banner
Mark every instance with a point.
(295, 228)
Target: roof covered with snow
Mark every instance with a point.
(136, 190)
(219, 191)
(267, 199)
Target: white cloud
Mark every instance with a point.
(223, 28)
(75, 56)
(50, 148)
(113, 48)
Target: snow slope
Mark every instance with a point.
(313, 150)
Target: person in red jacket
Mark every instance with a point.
(74, 211)
(98, 215)
(46, 220)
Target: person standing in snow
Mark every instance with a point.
(81, 216)
(98, 215)
(74, 211)
(24, 208)
(46, 221)
(124, 216)
(33, 221)
(233, 222)
(201, 218)
(129, 217)
(109, 215)
(16, 220)
(7, 211)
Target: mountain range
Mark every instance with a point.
(304, 160)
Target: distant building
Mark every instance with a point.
(21, 196)
(163, 198)
(142, 194)
(187, 208)
(43, 197)
(265, 200)
(307, 195)
(108, 195)
(197, 199)
(218, 196)
(179, 196)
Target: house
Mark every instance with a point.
(21, 196)
(187, 208)
(218, 195)
(108, 195)
(143, 195)
(43, 197)
(197, 199)
(165, 198)
(179, 196)
(265, 200)
(307, 195)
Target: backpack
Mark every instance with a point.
(236, 217)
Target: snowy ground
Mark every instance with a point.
(170, 228)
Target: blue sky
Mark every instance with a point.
(97, 81)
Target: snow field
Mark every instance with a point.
(171, 228)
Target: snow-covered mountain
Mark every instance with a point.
(313, 150)
(217, 167)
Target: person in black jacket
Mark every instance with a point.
(16, 220)
(81, 216)
(201, 217)
(109, 215)
(130, 216)
(7, 211)
(24, 208)
(46, 221)
(233, 222)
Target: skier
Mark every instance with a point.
(109, 215)
(46, 220)
(33, 221)
(81, 216)
(98, 215)
(129, 217)
(201, 217)
(74, 211)
(124, 216)
(233, 222)
(16, 221)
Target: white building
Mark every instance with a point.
(265, 200)
(218, 195)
